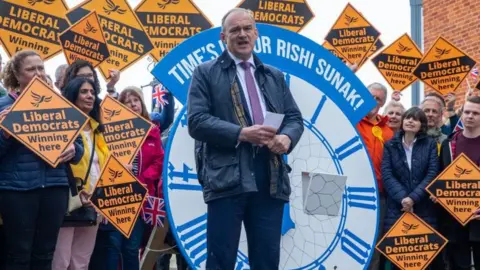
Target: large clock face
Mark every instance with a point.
(332, 100)
(330, 144)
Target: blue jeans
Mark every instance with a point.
(126, 251)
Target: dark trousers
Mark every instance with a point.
(32, 220)
(163, 262)
(119, 247)
(262, 218)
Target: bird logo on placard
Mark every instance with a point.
(112, 8)
(109, 114)
(33, 2)
(114, 175)
(167, 2)
(39, 99)
(461, 171)
(441, 52)
(408, 227)
(89, 28)
(350, 20)
(402, 48)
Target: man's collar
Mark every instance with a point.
(238, 60)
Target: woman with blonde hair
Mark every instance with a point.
(33, 194)
(394, 110)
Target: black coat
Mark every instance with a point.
(226, 167)
(401, 182)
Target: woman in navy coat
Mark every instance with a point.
(410, 163)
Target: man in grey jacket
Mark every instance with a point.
(239, 160)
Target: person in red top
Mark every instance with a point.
(375, 131)
(147, 167)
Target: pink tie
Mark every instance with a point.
(253, 94)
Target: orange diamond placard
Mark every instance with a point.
(289, 14)
(44, 121)
(352, 35)
(32, 25)
(125, 131)
(330, 48)
(84, 40)
(170, 22)
(411, 243)
(123, 32)
(119, 196)
(478, 86)
(375, 48)
(444, 66)
(457, 188)
(397, 62)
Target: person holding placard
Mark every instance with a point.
(375, 131)
(75, 244)
(147, 167)
(33, 195)
(410, 163)
(462, 239)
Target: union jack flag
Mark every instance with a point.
(158, 96)
(459, 126)
(474, 73)
(154, 211)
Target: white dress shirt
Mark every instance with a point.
(408, 151)
(243, 83)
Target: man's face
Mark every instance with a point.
(471, 115)
(240, 34)
(433, 111)
(380, 97)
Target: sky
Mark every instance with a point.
(390, 24)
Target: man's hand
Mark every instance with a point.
(2, 115)
(114, 78)
(396, 95)
(279, 144)
(434, 199)
(257, 134)
(407, 204)
(129, 167)
(450, 101)
(68, 154)
(353, 67)
(85, 198)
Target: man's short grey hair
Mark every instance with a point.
(393, 104)
(233, 10)
(434, 99)
(378, 86)
(59, 71)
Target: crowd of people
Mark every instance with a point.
(239, 163)
(408, 150)
(36, 197)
